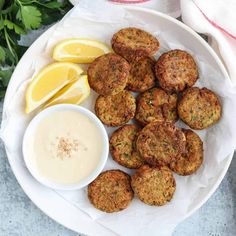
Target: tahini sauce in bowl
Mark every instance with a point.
(65, 147)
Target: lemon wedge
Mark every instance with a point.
(49, 81)
(74, 93)
(79, 50)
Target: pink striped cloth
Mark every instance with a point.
(216, 18)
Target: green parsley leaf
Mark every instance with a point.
(49, 18)
(53, 4)
(1, 24)
(10, 25)
(5, 76)
(10, 59)
(2, 54)
(31, 17)
(21, 50)
(7, 10)
(1, 4)
(2, 93)
(18, 15)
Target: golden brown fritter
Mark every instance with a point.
(154, 185)
(156, 105)
(160, 143)
(111, 191)
(108, 74)
(132, 43)
(141, 76)
(176, 70)
(115, 110)
(192, 158)
(123, 147)
(199, 108)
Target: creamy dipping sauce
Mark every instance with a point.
(66, 147)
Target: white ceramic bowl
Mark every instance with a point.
(30, 132)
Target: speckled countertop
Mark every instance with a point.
(20, 217)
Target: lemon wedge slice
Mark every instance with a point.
(74, 93)
(49, 81)
(79, 50)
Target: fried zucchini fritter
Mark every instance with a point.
(176, 70)
(108, 74)
(156, 105)
(123, 147)
(192, 158)
(154, 185)
(141, 76)
(111, 191)
(115, 110)
(199, 108)
(160, 143)
(133, 43)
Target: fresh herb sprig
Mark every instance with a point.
(18, 17)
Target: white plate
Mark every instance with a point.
(54, 205)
